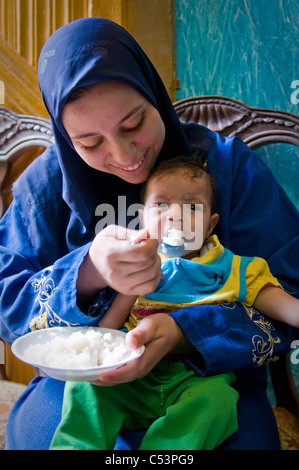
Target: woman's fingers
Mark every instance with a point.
(160, 335)
(119, 232)
(138, 277)
(127, 260)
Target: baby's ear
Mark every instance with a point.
(213, 222)
(215, 219)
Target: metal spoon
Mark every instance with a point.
(171, 251)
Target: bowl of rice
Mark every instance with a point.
(75, 353)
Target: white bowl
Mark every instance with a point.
(41, 337)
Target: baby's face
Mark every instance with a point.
(182, 202)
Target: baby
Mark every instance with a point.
(178, 409)
(180, 193)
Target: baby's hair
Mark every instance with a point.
(192, 165)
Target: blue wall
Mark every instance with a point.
(248, 50)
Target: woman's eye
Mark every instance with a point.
(134, 127)
(92, 147)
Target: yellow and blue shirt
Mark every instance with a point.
(216, 277)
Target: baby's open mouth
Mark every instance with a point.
(174, 237)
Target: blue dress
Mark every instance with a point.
(48, 229)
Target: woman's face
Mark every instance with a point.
(116, 130)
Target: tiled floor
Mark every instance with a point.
(9, 393)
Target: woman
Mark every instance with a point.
(56, 272)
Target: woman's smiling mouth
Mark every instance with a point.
(136, 166)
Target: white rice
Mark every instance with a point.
(79, 350)
(174, 238)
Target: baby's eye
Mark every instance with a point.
(194, 207)
(158, 205)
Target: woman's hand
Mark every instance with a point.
(160, 335)
(126, 260)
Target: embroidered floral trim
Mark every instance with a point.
(47, 317)
(262, 351)
(39, 322)
(262, 348)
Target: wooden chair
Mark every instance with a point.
(230, 117)
(22, 138)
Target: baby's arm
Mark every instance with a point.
(278, 304)
(118, 312)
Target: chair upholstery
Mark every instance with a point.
(22, 138)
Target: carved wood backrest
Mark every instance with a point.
(22, 138)
(255, 126)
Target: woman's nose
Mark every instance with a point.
(123, 151)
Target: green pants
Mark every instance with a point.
(180, 411)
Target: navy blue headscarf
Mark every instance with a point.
(88, 51)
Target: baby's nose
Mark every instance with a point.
(175, 212)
